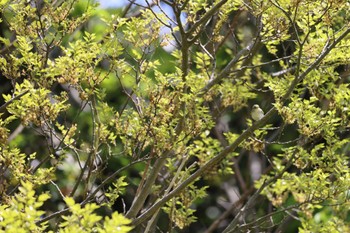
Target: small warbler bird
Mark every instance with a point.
(257, 113)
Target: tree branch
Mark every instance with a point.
(206, 17)
(4, 106)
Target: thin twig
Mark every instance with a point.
(4, 106)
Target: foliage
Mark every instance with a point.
(138, 119)
(21, 212)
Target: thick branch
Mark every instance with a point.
(206, 17)
(140, 200)
(324, 53)
(225, 72)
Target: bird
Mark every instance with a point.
(257, 113)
